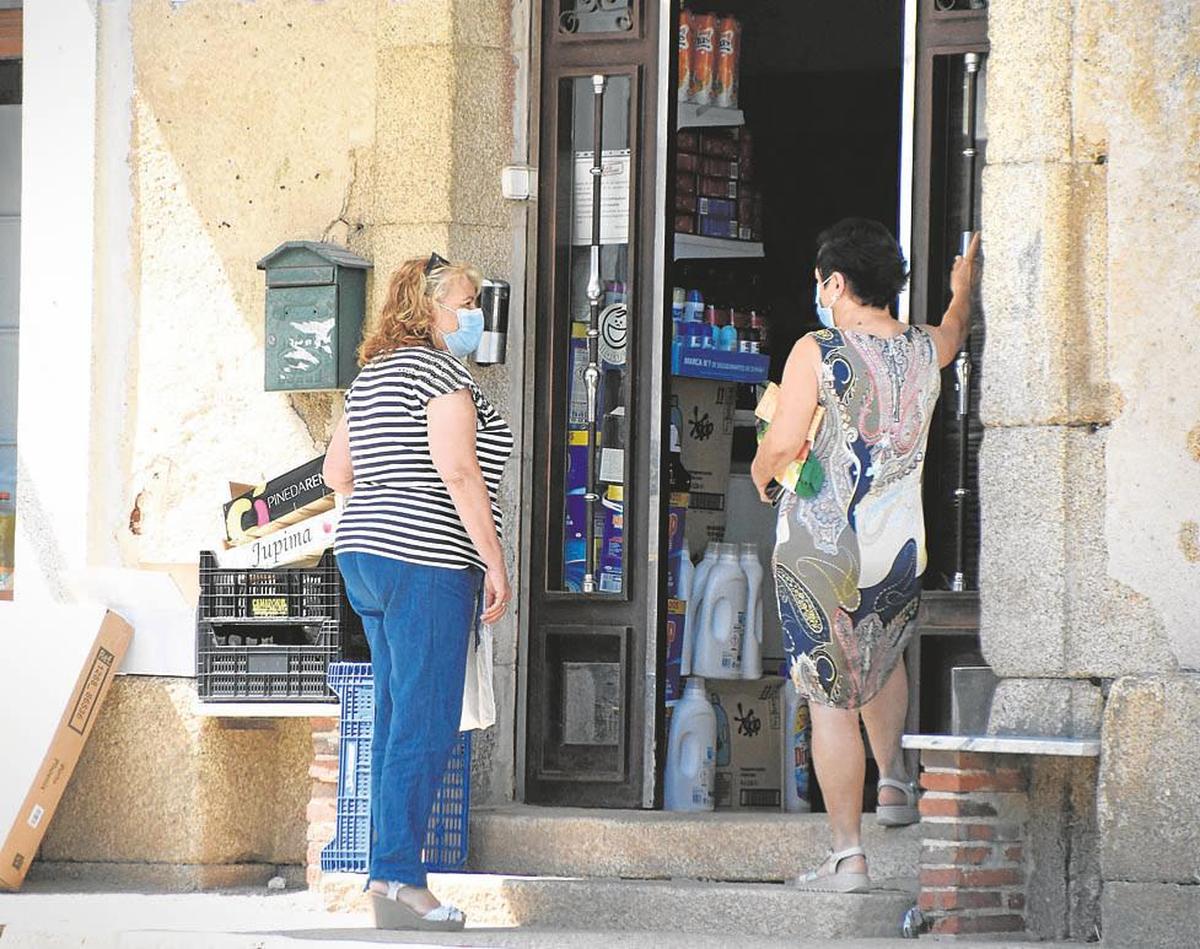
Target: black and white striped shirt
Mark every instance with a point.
(400, 507)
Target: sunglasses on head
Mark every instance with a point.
(435, 262)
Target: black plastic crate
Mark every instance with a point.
(270, 635)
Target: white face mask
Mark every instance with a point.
(824, 313)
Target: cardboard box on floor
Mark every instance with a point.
(749, 732)
(43, 794)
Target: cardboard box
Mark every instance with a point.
(103, 658)
(259, 509)
(300, 544)
(706, 410)
(749, 736)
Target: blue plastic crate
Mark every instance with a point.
(446, 837)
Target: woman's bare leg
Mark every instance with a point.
(840, 762)
(884, 717)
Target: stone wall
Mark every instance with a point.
(378, 125)
(1090, 460)
(1090, 468)
(166, 798)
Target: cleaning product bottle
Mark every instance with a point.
(691, 752)
(721, 627)
(796, 735)
(695, 598)
(679, 483)
(753, 637)
(727, 335)
(693, 306)
(724, 746)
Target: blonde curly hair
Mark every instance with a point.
(407, 317)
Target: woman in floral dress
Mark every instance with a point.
(849, 559)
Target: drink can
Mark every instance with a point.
(729, 55)
(685, 55)
(704, 40)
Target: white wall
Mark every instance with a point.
(55, 385)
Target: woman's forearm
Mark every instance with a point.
(470, 496)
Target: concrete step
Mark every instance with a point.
(737, 845)
(743, 910)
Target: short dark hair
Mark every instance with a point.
(867, 255)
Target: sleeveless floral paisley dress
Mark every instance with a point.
(848, 561)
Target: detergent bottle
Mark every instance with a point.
(753, 636)
(717, 653)
(797, 733)
(692, 614)
(691, 752)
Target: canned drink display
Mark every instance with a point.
(685, 56)
(704, 54)
(729, 55)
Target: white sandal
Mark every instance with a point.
(839, 881)
(898, 815)
(391, 912)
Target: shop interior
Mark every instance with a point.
(801, 130)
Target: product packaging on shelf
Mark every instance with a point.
(676, 615)
(709, 187)
(749, 737)
(722, 142)
(704, 56)
(686, 182)
(717, 207)
(718, 167)
(688, 140)
(689, 162)
(685, 55)
(706, 408)
(729, 55)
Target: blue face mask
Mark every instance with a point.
(465, 340)
(824, 313)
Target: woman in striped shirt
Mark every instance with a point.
(420, 452)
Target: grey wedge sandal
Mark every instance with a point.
(898, 815)
(393, 913)
(839, 881)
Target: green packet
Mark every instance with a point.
(803, 476)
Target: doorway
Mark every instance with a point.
(645, 194)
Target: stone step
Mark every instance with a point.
(738, 845)
(742, 910)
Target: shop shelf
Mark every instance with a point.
(691, 115)
(723, 366)
(696, 246)
(446, 835)
(270, 635)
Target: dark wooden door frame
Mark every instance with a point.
(635, 610)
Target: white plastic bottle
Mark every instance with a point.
(796, 735)
(691, 616)
(753, 636)
(722, 623)
(686, 574)
(691, 752)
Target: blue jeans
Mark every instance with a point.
(417, 620)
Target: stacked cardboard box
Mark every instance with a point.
(715, 194)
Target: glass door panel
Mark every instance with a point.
(595, 158)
